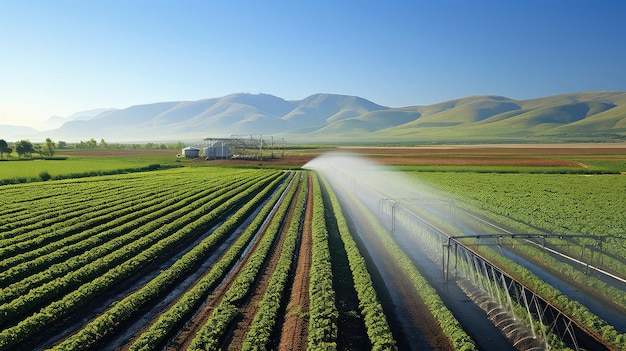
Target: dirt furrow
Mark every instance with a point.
(295, 326)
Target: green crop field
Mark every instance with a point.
(20, 171)
(93, 249)
(559, 203)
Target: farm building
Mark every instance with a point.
(217, 149)
(191, 152)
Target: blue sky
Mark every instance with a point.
(60, 57)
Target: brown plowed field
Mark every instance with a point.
(545, 155)
(548, 155)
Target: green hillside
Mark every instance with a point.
(590, 116)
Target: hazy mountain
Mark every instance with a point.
(14, 133)
(52, 123)
(88, 114)
(587, 116)
(55, 122)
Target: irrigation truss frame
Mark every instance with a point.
(481, 277)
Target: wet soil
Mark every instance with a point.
(413, 326)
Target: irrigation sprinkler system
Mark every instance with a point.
(522, 315)
(455, 240)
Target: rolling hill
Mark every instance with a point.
(332, 118)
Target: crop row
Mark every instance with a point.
(96, 242)
(62, 237)
(186, 305)
(258, 336)
(93, 263)
(122, 310)
(449, 325)
(209, 336)
(323, 312)
(156, 240)
(376, 323)
(562, 204)
(36, 202)
(68, 196)
(44, 214)
(70, 199)
(45, 240)
(100, 258)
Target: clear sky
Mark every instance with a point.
(61, 57)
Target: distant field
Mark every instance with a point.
(521, 158)
(518, 158)
(69, 164)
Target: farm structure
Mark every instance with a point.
(190, 152)
(217, 149)
(250, 147)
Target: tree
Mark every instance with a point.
(103, 144)
(4, 148)
(50, 147)
(39, 149)
(62, 145)
(24, 147)
(90, 145)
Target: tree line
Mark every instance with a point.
(25, 148)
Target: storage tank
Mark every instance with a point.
(191, 152)
(217, 149)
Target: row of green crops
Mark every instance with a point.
(71, 220)
(258, 336)
(186, 305)
(323, 312)
(117, 232)
(97, 261)
(376, 323)
(561, 204)
(449, 325)
(84, 272)
(209, 336)
(106, 322)
(48, 214)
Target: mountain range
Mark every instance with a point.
(331, 118)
